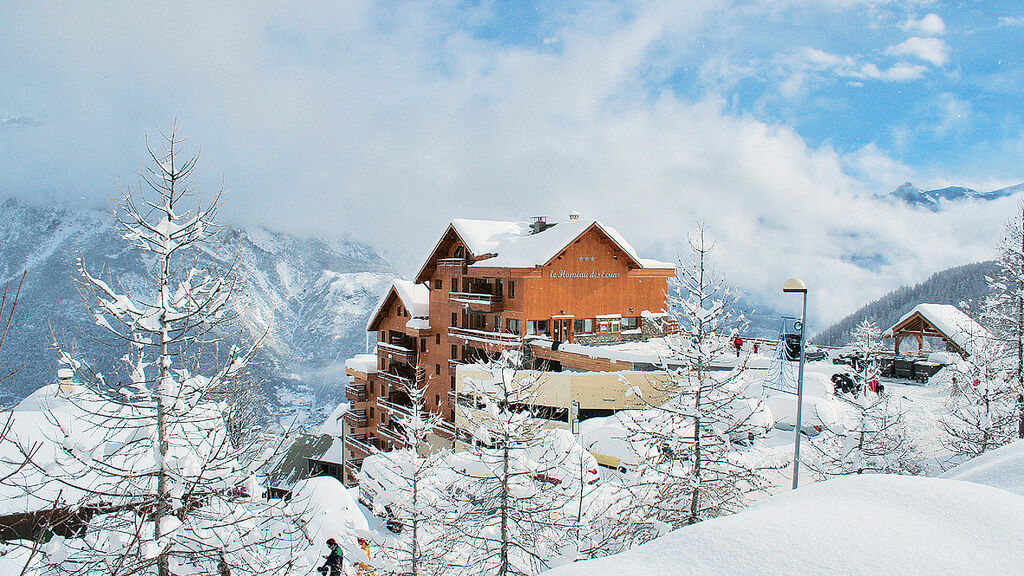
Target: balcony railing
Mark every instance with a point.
(395, 379)
(478, 301)
(451, 266)
(359, 447)
(355, 418)
(396, 353)
(503, 339)
(356, 392)
(394, 408)
(395, 438)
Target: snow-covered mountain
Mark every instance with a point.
(936, 200)
(313, 294)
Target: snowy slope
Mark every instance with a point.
(313, 294)
(870, 524)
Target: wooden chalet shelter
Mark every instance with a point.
(958, 330)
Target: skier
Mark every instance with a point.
(332, 567)
(737, 343)
(755, 347)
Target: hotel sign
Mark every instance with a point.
(591, 274)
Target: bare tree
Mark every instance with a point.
(418, 501)
(513, 499)
(149, 449)
(1004, 310)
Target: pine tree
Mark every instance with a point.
(150, 451)
(418, 503)
(512, 499)
(697, 459)
(874, 436)
(1004, 309)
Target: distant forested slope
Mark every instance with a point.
(959, 284)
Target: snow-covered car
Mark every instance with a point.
(814, 354)
(818, 414)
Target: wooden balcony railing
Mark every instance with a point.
(394, 408)
(502, 339)
(478, 302)
(451, 266)
(356, 418)
(356, 393)
(359, 447)
(395, 379)
(396, 353)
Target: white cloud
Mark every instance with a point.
(326, 121)
(1011, 21)
(930, 25)
(932, 50)
(851, 67)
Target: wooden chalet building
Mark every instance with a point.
(489, 286)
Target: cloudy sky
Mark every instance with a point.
(772, 122)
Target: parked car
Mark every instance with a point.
(814, 354)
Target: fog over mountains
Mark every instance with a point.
(313, 294)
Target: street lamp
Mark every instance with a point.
(797, 285)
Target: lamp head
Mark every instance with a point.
(794, 285)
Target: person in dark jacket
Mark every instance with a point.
(334, 557)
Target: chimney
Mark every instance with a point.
(574, 216)
(540, 224)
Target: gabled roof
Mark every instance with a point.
(511, 244)
(949, 321)
(415, 298)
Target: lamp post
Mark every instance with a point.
(797, 285)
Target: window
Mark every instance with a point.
(455, 285)
(371, 412)
(609, 325)
(381, 337)
(513, 325)
(588, 325)
(537, 327)
(511, 289)
(437, 284)
(455, 318)
(499, 287)
(437, 368)
(437, 399)
(630, 323)
(453, 381)
(423, 344)
(460, 252)
(577, 326)
(437, 339)
(455, 352)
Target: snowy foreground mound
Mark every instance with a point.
(871, 524)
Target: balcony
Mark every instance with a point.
(392, 436)
(478, 302)
(482, 337)
(397, 380)
(359, 447)
(356, 393)
(355, 418)
(451, 266)
(396, 353)
(395, 409)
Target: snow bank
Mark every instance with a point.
(1001, 468)
(870, 524)
(329, 511)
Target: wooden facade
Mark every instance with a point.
(588, 284)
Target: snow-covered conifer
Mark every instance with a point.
(516, 479)
(147, 461)
(698, 457)
(1004, 309)
(982, 402)
(418, 503)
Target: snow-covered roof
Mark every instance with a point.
(513, 245)
(366, 363)
(957, 326)
(415, 298)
